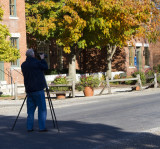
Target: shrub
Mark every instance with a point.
(142, 76)
(87, 81)
(158, 78)
(123, 75)
(149, 73)
(103, 79)
(60, 80)
(129, 82)
(79, 87)
(156, 68)
(117, 76)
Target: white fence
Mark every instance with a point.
(137, 79)
(50, 78)
(16, 89)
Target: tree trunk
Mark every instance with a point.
(72, 65)
(109, 68)
(60, 57)
(110, 52)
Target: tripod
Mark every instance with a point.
(54, 120)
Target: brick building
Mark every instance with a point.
(139, 56)
(14, 18)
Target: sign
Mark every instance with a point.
(135, 61)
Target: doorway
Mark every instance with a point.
(139, 58)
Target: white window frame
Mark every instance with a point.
(17, 36)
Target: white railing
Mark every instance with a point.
(107, 83)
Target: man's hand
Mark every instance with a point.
(41, 56)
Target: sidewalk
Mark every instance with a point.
(80, 95)
(79, 99)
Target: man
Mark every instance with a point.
(35, 83)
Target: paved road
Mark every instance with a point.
(88, 123)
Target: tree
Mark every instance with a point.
(69, 30)
(48, 19)
(120, 21)
(7, 52)
(40, 19)
(79, 24)
(112, 23)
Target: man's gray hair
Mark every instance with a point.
(30, 52)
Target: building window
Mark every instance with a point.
(15, 43)
(146, 54)
(131, 56)
(12, 5)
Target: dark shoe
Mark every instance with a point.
(44, 130)
(30, 130)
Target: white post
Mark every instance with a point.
(15, 91)
(155, 80)
(73, 89)
(0, 85)
(139, 81)
(108, 85)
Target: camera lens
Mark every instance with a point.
(45, 55)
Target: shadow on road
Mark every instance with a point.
(73, 135)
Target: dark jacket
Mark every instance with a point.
(32, 70)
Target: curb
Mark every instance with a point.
(81, 99)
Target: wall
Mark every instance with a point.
(17, 28)
(156, 53)
(139, 44)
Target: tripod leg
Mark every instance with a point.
(54, 115)
(51, 111)
(18, 114)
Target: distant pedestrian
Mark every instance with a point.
(35, 83)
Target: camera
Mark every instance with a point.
(37, 55)
(45, 55)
